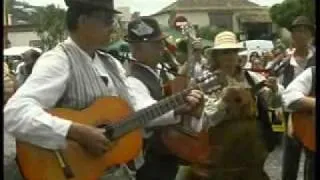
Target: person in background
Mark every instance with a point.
(147, 49)
(24, 69)
(277, 56)
(182, 57)
(9, 83)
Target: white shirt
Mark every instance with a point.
(142, 91)
(298, 67)
(25, 116)
(298, 88)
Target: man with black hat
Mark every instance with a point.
(147, 46)
(73, 75)
(302, 57)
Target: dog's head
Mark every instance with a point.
(238, 103)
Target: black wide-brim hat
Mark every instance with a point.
(144, 29)
(100, 4)
(302, 21)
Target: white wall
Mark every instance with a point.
(196, 18)
(125, 13)
(22, 38)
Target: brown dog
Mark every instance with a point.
(237, 151)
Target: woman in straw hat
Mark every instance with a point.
(223, 57)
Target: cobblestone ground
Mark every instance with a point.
(273, 165)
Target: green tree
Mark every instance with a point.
(308, 9)
(209, 32)
(283, 14)
(51, 25)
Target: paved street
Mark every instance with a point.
(273, 165)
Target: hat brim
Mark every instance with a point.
(114, 11)
(311, 27)
(159, 38)
(224, 47)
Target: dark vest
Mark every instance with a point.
(154, 144)
(152, 82)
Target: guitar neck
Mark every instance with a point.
(144, 116)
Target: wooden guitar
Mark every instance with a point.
(122, 127)
(303, 124)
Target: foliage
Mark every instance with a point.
(283, 14)
(20, 14)
(209, 32)
(308, 9)
(50, 22)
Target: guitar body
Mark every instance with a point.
(41, 164)
(304, 129)
(192, 149)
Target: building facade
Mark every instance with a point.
(234, 15)
(23, 35)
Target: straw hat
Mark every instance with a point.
(225, 40)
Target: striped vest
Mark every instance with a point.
(84, 85)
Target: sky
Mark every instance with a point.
(146, 7)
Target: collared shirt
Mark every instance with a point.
(25, 116)
(297, 89)
(142, 91)
(299, 67)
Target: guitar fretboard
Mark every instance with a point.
(144, 116)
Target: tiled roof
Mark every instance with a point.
(207, 4)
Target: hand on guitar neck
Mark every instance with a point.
(194, 106)
(92, 139)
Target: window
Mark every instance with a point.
(221, 19)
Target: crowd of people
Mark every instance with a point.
(235, 116)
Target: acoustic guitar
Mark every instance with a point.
(122, 127)
(303, 124)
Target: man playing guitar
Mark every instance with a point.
(73, 75)
(299, 97)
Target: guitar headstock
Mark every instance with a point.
(211, 82)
